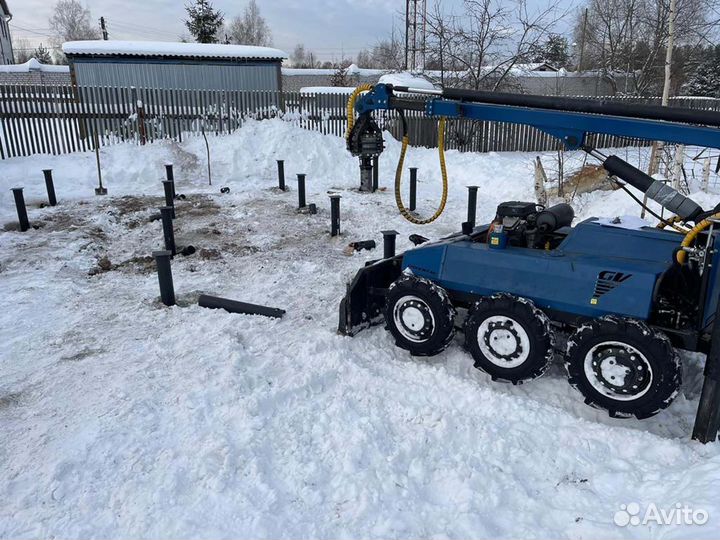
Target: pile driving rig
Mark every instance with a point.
(625, 297)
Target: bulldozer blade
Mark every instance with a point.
(363, 304)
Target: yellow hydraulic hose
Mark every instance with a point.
(681, 255)
(398, 173)
(351, 106)
(443, 172)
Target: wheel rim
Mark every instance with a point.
(503, 341)
(618, 370)
(413, 318)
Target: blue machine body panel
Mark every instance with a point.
(597, 270)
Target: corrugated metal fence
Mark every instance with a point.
(63, 119)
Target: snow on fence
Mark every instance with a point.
(64, 119)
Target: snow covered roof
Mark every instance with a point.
(33, 65)
(164, 48)
(352, 69)
(327, 90)
(405, 78)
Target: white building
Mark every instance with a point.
(6, 51)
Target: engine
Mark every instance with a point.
(528, 224)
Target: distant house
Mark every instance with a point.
(33, 72)
(163, 65)
(536, 66)
(6, 50)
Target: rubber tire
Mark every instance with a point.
(535, 323)
(654, 345)
(440, 306)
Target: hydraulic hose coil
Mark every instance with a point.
(398, 172)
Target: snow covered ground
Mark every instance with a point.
(122, 418)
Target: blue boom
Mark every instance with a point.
(622, 296)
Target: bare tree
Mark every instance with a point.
(480, 46)
(629, 38)
(364, 59)
(301, 58)
(70, 21)
(250, 28)
(388, 54)
(22, 50)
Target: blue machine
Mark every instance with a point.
(622, 297)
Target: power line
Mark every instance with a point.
(31, 31)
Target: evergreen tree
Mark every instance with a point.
(705, 80)
(42, 55)
(203, 21)
(554, 51)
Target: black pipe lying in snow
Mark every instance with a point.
(233, 306)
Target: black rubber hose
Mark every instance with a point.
(664, 194)
(632, 175)
(612, 108)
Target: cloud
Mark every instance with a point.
(330, 27)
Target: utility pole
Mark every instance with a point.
(407, 28)
(669, 53)
(103, 27)
(658, 146)
(582, 40)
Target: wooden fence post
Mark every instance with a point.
(706, 174)
(540, 180)
(677, 166)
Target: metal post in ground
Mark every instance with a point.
(170, 175)
(334, 215)
(413, 188)
(301, 190)
(50, 186)
(389, 243)
(376, 173)
(281, 174)
(707, 418)
(472, 204)
(169, 199)
(366, 180)
(21, 210)
(167, 289)
(168, 231)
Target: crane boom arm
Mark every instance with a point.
(570, 120)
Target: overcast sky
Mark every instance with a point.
(327, 27)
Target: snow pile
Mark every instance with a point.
(163, 48)
(122, 418)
